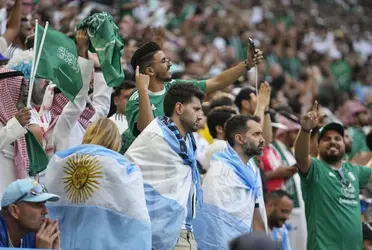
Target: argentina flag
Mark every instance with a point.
(230, 192)
(171, 180)
(102, 203)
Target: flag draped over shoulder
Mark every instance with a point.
(168, 182)
(230, 191)
(102, 203)
(104, 40)
(59, 62)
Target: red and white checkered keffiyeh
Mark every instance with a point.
(9, 93)
(59, 102)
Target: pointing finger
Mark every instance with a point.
(315, 106)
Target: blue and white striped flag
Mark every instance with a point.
(102, 203)
(230, 191)
(170, 182)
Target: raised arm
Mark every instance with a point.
(101, 97)
(262, 110)
(14, 23)
(229, 76)
(72, 111)
(302, 145)
(145, 115)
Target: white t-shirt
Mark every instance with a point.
(3, 45)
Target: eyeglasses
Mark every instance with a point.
(35, 191)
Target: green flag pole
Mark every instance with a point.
(35, 61)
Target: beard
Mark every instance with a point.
(251, 150)
(332, 158)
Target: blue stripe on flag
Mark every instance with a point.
(214, 228)
(93, 227)
(166, 216)
(97, 150)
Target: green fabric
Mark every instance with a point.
(359, 141)
(272, 59)
(290, 184)
(126, 140)
(58, 62)
(106, 42)
(341, 71)
(292, 66)
(332, 206)
(36, 155)
(156, 101)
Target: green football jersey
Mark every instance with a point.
(332, 205)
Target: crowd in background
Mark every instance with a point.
(313, 50)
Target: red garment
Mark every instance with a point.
(10, 89)
(269, 161)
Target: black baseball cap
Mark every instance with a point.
(333, 126)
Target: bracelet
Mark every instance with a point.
(267, 112)
(306, 131)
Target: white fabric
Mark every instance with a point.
(223, 189)
(202, 145)
(216, 146)
(260, 198)
(101, 97)
(9, 133)
(3, 45)
(161, 166)
(13, 51)
(120, 121)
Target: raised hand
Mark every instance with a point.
(82, 43)
(23, 116)
(264, 95)
(142, 80)
(311, 119)
(48, 235)
(254, 58)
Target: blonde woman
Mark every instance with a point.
(101, 191)
(103, 132)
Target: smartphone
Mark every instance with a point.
(251, 49)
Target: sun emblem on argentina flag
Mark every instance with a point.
(82, 177)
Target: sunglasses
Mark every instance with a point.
(35, 191)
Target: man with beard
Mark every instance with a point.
(279, 207)
(231, 187)
(146, 103)
(330, 187)
(166, 153)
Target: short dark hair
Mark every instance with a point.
(278, 194)
(221, 101)
(183, 93)
(127, 84)
(143, 56)
(238, 124)
(218, 117)
(244, 94)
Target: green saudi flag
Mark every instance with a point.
(105, 40)
(59, 62)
